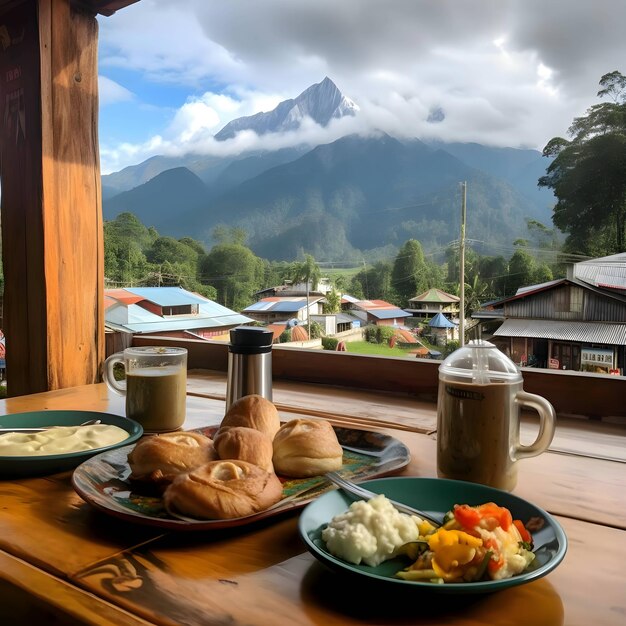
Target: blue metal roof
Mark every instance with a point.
(288, 306)
(167, 296)
(134, 318)
(441, 321)
(283, 305)
(259, 306)
(388, 314)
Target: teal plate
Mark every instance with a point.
(436, 496)
(21, 466)
(103, 481)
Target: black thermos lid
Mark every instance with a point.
(250, 340)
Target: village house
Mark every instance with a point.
(165, 312)
(282, 308)
(575, 323)
(376, 312)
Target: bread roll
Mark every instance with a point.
(304, 447)
(245, 444)
(223, 490)
(252, 411)
(159, 459)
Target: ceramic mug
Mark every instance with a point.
(155, 386)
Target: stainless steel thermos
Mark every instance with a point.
(249, 363)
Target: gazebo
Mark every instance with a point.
(442, 328)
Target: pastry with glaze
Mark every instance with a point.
(223, 490)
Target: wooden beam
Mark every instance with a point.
(51, 198)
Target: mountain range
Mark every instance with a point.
(340, 200)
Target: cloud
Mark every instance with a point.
(111, 92)
(509, 73)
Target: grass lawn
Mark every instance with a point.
(365, 347)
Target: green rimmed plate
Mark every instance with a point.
(436, 496)
(22, 466)
(103, 482)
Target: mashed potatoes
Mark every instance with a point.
(61, 440)
(370, 532)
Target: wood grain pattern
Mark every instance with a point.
(237, 580)
(51, 199)
(30, 596)
(260, 575)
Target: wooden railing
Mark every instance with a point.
(571, 393)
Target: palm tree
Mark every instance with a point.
(308, 272)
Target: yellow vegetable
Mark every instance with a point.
(451, 550)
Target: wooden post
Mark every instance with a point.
(52, 239)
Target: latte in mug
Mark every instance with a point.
(478, 417)
(476, 445)
(156, 397)
(155, 386)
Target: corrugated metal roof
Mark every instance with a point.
(259, 306)
(281, 305)
(588, 332)
(167, 296)
(163, 325)
(435, 295)
(441, 321)
(388, 314)
(288, 306)
(344, 318)
(122, 295)
(608, 272)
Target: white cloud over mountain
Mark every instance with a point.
(509, 73)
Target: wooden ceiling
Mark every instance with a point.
(101, 7)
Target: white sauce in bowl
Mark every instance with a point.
(61, 440)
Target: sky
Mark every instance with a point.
(498, 72)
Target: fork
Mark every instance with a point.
(361, 493)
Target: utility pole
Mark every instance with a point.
(462, 266)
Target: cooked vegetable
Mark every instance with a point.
(476, 543)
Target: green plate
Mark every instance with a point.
(19, 466)
(437, 496)
(104, 482)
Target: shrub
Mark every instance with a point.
(450, 347)
(379, 334)
(285, 336)
(329, 343)
(370, 334)
(385, 333)
(316, 330)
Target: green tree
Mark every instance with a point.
(588, 174)
(521, 270)
(333, 301)
(374, 282)
(410, 274)
(235, 273)
(308, 272)
(229, 234)
(168, 249)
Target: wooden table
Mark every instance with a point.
(62, 562)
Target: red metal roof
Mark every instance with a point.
(121, 295)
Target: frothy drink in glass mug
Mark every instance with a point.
(156, 396)
(478, 445)
(478, 417)
(155, 386)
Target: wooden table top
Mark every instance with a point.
(62, 561)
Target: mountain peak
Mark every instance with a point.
(321, 102)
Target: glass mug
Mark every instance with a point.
(478, 417)
(155, 385)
